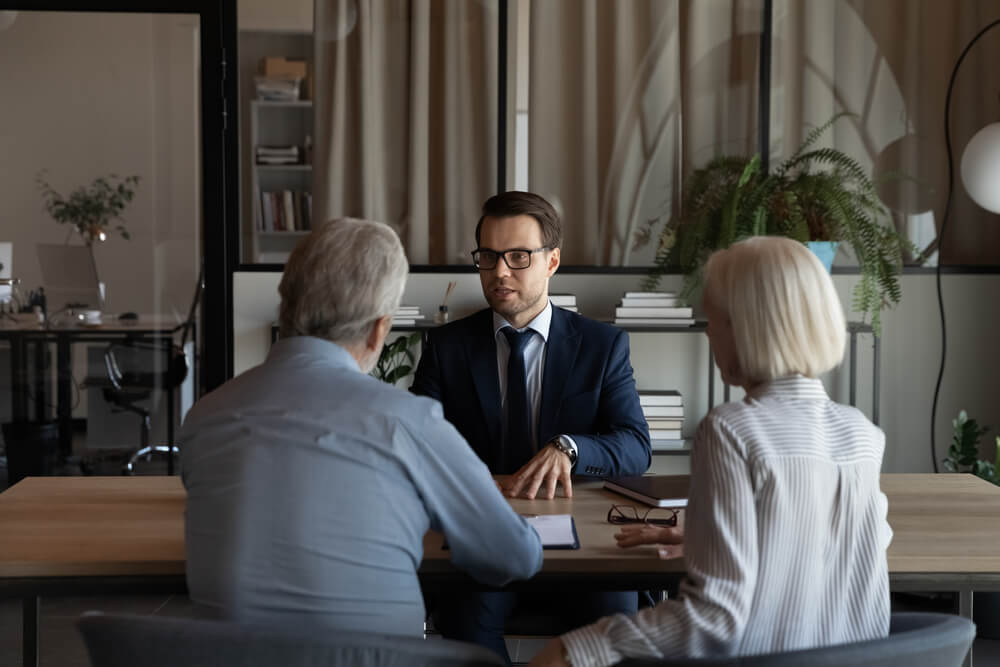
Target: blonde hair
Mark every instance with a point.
(785, 314)
(341, 278)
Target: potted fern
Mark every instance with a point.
(816, 195)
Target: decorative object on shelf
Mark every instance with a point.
(817, 194)
(396, 360)
(91, 209)
(980, 173)
(963, 454)
(442, 314)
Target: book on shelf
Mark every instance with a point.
(669, 445)
(285, 211)
(660, 397)
(562, 300)
(654, 321)
(571, 309)
(656, 490)
(665, 434)
(650, 295)
(403, 321)
(662, 423)
(660, 302)
(675, 411)
(679, 311)
(286, 151)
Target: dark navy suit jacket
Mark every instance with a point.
(588, 391)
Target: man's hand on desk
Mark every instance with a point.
(668, 539)
(549, 466)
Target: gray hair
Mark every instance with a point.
(341, 278)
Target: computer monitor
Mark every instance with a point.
(70, 277)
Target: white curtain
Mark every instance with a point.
(624, 97)
(406, 118)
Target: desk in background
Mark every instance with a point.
(98, 535)
(28, 340)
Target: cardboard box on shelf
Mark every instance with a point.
(282, 66)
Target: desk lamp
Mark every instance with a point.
(981, 177)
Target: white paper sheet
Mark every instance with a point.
(555, 530)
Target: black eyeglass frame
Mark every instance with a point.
(620, 519)
(503, 255)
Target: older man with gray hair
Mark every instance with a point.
(311, 484)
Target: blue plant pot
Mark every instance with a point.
(825, 250)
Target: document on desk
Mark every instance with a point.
(557, 531)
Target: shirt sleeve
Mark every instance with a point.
(721, 553)
(486, 537)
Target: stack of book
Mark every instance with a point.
(564, 301)
(664, 413)
(664, 309)
(279, 155)
(285, 211)
(406, 315)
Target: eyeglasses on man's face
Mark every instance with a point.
(657, 516)
(515, 258)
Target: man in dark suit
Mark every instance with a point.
(539, 392)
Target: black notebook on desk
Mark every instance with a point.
(656, 490)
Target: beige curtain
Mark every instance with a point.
(888, 61)
(625, 96)
(406, 118)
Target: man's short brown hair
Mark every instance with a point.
(515, 202)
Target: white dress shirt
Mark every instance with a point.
(785, 536)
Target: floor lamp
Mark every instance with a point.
(981, 176)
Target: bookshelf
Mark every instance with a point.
(271, 123)
(275, 232)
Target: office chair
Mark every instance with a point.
(156, 641)
(136, 368)
(916, 639)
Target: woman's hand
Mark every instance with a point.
(669, 539)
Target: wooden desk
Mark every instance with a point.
(89, 535)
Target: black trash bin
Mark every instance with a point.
(31, 448)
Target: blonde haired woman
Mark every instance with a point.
(786, 524)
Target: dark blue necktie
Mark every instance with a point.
(518, 446)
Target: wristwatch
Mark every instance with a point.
(561, 443)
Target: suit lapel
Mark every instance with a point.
(560, 355)
(480, 350)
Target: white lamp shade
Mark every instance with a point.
(981, 167)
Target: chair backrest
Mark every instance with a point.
(915, 640)
(152, 641)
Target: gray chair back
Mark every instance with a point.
(154, 641)
(915, 640)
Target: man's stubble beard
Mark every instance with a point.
(516, 308)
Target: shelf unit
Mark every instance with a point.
(271, 123)
(278, 124)
(854, 329)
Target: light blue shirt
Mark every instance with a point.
(310, 487)
(534, 363)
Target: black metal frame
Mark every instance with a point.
(219, 158)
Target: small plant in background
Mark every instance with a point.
(963, 454)
(396, 360)
(91, 209)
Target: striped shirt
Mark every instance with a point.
(785, 536)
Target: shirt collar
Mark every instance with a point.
(540, 324)
(790, 387)
(287, 348)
